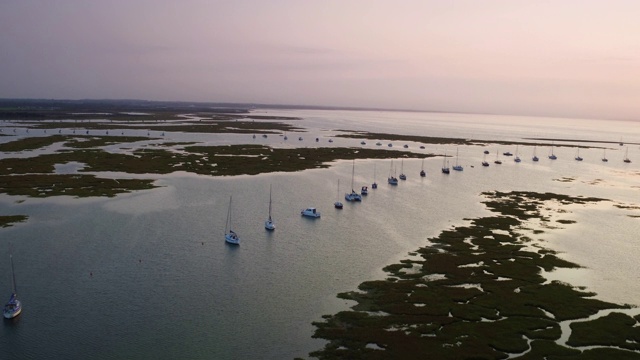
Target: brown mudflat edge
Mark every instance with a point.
(476, 292)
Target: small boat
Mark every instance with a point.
(402, 175)
(310, 212)
(338, 204)
(604, 155)
(264, 136)
(285, 136)
(229, 235)
(375, 184)
(390, 145)
(578, 158)
(507, 153)
(330, 140)
(269, 224)
(497, 161)
(392, 180)
(626, 156)
(457, 167)
(13, 307)
(552, 156)
(422, 172)
(486, 151)
(421, 146)
(363, 143)
(317, 139)
(300, 138)
(517, 158)
(445, 164)
(535, 157)
(353, 196)
(378, 143)
(484, 159)
(364, 190)
(406, 146)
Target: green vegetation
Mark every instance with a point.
(9, 220)
(477, 294)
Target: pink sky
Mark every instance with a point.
(565, 58)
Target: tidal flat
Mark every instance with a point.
(477, 291)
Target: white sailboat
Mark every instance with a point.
(402, 175)
(13, 307)
(229, 235)
(392, 180)
(338, 204)
(353, 196)
(269, 224)
(457, 167)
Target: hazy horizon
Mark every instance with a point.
(544, 58)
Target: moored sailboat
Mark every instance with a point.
(402, 175)
(626, 155)
(229, 235)
(13, 307)
(392, 180)
(457, 167)
(338, 204)
(422, 172)
(353, 196)
(269, 224)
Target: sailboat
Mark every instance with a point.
(534, 158)
(392, 180)
(402, 175)
(422, 173)
(457, 167)
(552, 156)
(626, 155)
(484, 159)
(338, 204)
(517, 158)
(375, 184)
(604, 155)
(13, 307)
(578, 158)
(353, 196)
(269, 224)
(445, 164)
(229, 235)
(498, 161)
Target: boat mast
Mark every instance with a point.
(228, 224)
(353, 171)
(269, 202)
(13, 275)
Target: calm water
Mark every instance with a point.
(148, 275)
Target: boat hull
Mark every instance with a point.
(232, 238)
(269, 225)
(12, 309)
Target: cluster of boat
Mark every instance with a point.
(353, 196)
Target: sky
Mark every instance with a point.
(574, 58)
